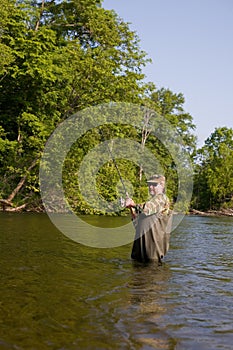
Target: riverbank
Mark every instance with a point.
(40, 209)
(221, 212)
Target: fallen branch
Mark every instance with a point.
(19, 208)
(5, 204)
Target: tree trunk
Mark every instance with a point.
(145, 134)
(21, 182)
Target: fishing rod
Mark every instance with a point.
(119, 173)
(115, 164)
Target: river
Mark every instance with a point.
(59, 294)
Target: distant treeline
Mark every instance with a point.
(58, 58)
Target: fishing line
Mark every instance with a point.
(116, 166)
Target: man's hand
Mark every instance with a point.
(129, 203)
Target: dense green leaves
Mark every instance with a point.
(60, 57)
(214, 171)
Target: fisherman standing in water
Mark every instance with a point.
(152, 222)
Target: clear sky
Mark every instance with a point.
(191, 45)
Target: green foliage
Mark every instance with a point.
(171, 106)
(58, 58)
(214, 171)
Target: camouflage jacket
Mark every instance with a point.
(158, 204)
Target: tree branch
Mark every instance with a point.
(21, 182)
(41, 13)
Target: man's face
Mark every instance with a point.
(155, 188)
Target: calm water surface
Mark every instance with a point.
(58, 294)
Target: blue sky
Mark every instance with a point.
(191, 45)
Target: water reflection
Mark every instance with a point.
(148, 284)
(148, 288)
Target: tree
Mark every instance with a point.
(60, 57)
(6, 54)
(214, 171)
(166, 106)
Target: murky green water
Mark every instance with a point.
(58, 294)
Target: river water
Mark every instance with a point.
(58, 294)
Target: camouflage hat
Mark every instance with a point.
(156, 179)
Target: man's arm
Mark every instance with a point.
(135, 209)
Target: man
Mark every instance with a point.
(152, 222)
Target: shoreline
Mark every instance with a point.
(192, 212)
(211, 212)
